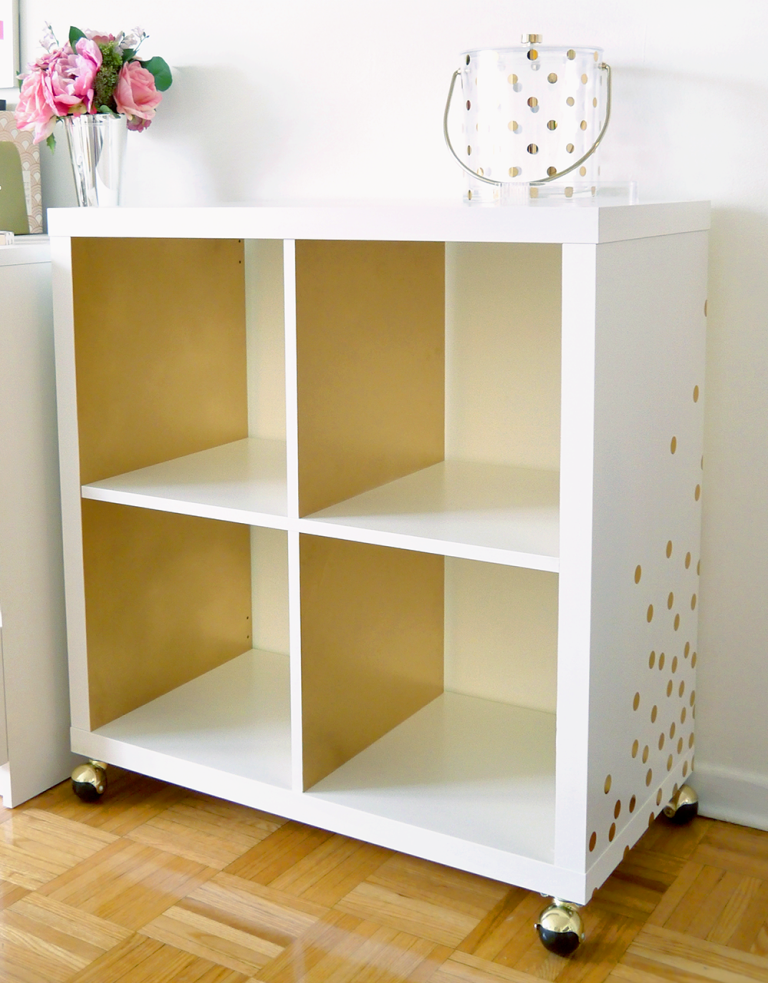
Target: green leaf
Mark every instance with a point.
(161, 71)
(74, 36)
(51, 143)
(106, 109)
(128, 53)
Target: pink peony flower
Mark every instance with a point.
(36, 109)
(136, 95)
(73, 75)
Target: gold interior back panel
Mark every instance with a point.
(160, 350)
(371, 365)
(372, 645)
(167, 597)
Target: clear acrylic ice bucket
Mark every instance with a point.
(529, 114)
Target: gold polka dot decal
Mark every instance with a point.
(638, 573)
(571, 54)
(513, 125)
(687, 649)
(662, 659)
(669, 549)
(662, 739)
(469, 104)
(674, 664)
(654, 714)
(670, 760)
(533, 102)
(592, 842)
(695, 394)
(680, 745)
(646, 751)
(698, 568)
(693, 697)
(595, 56)
(687, 561)
(685, 768)
(617, 809)
(570, 101)
(697, 493)
(693, 659)
(677, 622)
(469, 151)
(636, 701)
(670, 600)
(583, 171)
(551, 78)
(706, 307)
(533, 54)
(594, 103)
(512, 79)
(658, 798)
(649, 776)
(551, 171)
(584, 79)
(693, 602)
(669, 688)
(569, 148)
(651, 660)
(514, 171)
(607, 785)
(552, 124)
(532, 148)
(673, 445)
(672, 730)
(612, 832)
(649, 613)
(583, 124)
(683, 714)
(569, 192)
(691, 740)
(635, 748)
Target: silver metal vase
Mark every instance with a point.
(97, 149)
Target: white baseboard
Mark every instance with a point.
(732, 795)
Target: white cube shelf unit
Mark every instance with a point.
(385, 517)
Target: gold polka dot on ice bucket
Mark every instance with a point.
(552, 124)
(513, 125)
(583, 124)
(512, 79)
(582, 171)
(514, 171)
(552, 78)
(584, 79)
(571, 54)
(570, 101)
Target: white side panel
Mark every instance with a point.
(69, 456)
(265, 335)
(649, 387)
(3, 723)
(576, 453)
(31, 574)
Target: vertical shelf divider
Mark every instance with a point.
(292, 475)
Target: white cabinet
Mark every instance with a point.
(34, 709)
(386, 517)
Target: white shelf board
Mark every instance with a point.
(477, 511)
(469, 768)
(235, 719)
(573, 221)
(244, 481)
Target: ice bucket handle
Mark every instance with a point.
(545, 180)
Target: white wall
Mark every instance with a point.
(344, 98)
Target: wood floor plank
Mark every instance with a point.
(674, 955)
(341, 948)
(278, 852)
(332, 869)
(128, 883)
(36, 847)
(234, 922)
(207, 830)
(464, 967)
(129, 801)
(692, 914)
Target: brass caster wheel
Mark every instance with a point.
(89, 780)
(683, 806)
(560, 927)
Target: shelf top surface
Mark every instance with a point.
(546, 221)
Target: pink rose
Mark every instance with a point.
(136, 95)
(36, 110)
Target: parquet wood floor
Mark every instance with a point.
(156, 883)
